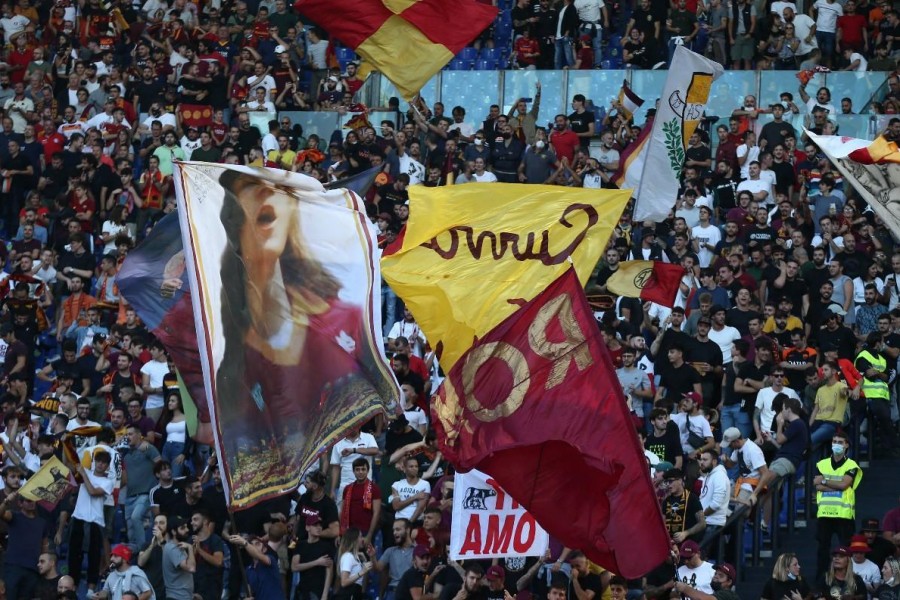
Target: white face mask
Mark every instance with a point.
(479, 142)
(539, 144)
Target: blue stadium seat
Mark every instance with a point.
(345, 55)
(615, 63)
(459, 65)
(468, 54)
(615, 41)
(491, 54)
(486, 64)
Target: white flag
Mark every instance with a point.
(872, 167)
(488, 523)
(678, 114)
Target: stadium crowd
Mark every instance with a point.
(781, 348)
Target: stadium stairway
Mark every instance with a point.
(876, 495)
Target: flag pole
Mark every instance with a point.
(240, 558)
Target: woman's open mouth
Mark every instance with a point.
(266, 216)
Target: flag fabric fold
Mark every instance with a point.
(282, 275)
(582, 473)
(472, 254)
(649, 280)
(680, 110)
(872, 167)
(407, 40)
(629, 101)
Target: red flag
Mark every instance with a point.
(195, 115)
(535, 404)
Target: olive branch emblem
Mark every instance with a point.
(674, 145)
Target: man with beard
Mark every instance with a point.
(124, 578)
(397, 559)
(471, 588)
(818, 274)
(416, 579)
(714, 494)
(179, 562)
(209, 550)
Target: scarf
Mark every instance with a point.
(368, 486)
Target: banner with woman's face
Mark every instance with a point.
(284, 279)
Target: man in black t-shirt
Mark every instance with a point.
(682, 509)
(412, 583)
(664, 441)
(496, 579)
(315, 502)
(312, 558)
(678, 379)
(581, 121)
(584, 583)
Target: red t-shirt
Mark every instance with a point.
(84, 206)
(53, 143)
(851, 28)
(359, 516)
(525, 46)
(565, 143)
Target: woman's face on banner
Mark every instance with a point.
(270, 213)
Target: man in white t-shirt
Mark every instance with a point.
(856, 61)
(747, 153)
(763, 414)
(803, 25)
(357, 444)
(761, 189)
(694, 571)
(410, 495)
(154, 371)
(88, 514)
(705, 236)
(747, 457)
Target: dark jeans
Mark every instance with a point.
(883, 427)
(826, 529)
(76, 551)
(20, 582)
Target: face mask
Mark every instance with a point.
(792, 577)
(715, 585)
(559, 127)
(539, 144)
(506, 135)
(479, 142)
(837, 449)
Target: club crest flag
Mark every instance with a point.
(679, 112)
(473, 253)
(489, 523)
(649, 280)
(282, 280)
(872, 167)
(49, 485)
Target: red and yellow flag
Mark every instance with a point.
(649, 280)
(472, 254)
(581, 473)
(407, 40)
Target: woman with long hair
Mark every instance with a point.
(282, 323)
(890, 580)
(840, 581)
(786, 581)
(177, 446)
(353, 566)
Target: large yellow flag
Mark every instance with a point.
(473, 253)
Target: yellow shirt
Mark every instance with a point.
(792, 324)
(287, 158)
(831, 401)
